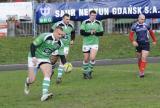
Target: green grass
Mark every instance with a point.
(116, 86)
(15, 50)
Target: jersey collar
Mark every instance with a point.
(54, 39)
(92, 21)
(140, 24)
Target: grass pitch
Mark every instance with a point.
(15, 50)
(116, 86)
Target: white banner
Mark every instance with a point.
(3, 29)
(22, 10)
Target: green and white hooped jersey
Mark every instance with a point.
(46, 44)
(67, 29)
(87, 26)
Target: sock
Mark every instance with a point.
(142, 66)
(139, 63)
(45, 85)
(27, 81)
(86, 67)
(91, 65)
(60, 71)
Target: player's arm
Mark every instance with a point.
(72, 33)
(72, 37)
(82, 30)
(32, 49)
(131, 35)
(83, 33)
(152, 35)
(38, 41)
(131, 38)
(101, 31)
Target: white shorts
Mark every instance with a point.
(31, 64)
(55, 52)
(86, 48)
(65, 51)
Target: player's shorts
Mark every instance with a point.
(143, 46)
(61, 51)
(87, 48)
(40, 61)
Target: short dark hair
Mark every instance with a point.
(92, 11)
(66, 15)
(59, 27)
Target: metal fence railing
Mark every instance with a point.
(26, 28)
(43, 28)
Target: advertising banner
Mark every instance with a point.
(51, 12)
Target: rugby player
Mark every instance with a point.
(142, 43)
(91, 29)
(40, 51)
(67, 40)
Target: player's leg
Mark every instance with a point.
(32, 70)
(145, 53)
(61, 68)
(93, 53)
(143, 62)
(63, 55)
(86, 68)
(47, 71)
(53, 59)
(86, 54)
(60, 73)
(139, 56)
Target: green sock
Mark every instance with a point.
(86, 67)
(60, 71)
(91, 65)
(45, 85)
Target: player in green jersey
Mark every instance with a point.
(67, 40)
(90, 29)
(38, 57)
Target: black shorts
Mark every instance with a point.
(143, 46)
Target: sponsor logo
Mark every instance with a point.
(45, 10)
